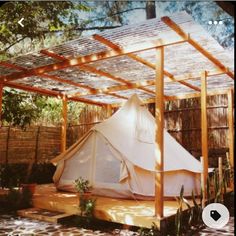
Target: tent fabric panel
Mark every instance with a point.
(107, 167)
(80, 164)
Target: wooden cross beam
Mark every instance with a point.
(97, 72)
(182, 96)
(90, 58)
(141, 60)
(90, 69)
(196, 45)
(45, 91)
(52, 77)
(47, 76)
(51, 93)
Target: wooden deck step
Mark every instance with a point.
(44, 215)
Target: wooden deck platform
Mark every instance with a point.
(128, 212)
(42, 214)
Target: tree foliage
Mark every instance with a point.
(23, 109)
(41, 18)
(20, 108)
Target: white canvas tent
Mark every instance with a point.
(117, 157)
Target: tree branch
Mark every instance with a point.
(11, 45)
(83, 29)
(118, 13)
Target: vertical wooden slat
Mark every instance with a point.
(37, 145)
(231, 128)
(204, 129)
(64, 123)
(159, 147)
(220, 169)
(1, 95)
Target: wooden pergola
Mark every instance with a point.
(159, 59)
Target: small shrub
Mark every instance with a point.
(87, 206)
(82, 185)
(149, 232)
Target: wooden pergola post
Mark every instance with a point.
(159, 147)
(108, 110)
(64, 123)
(204, 133)
(231, 127)
(1, 95)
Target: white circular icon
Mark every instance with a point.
(215, 215)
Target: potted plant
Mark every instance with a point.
(86, 203)
(83, 187)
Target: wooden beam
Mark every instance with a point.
(87, 101)
(183, 96)
(189, 76)
(1, 96)
(69, 82)
(204, 133)
(196, 45)
(85, 67)
(116, 95)
(230, 114)
(159, 142)
(97, 72)
(103, 73)
(121, 88)
(108, 111)
(89, 69)
(89, 58)
(50, 93)
(140, 59)
(12, 66)
(64, 123)
(54, 55)
(32, 89)
(47, 76)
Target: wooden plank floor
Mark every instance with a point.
(129, 212)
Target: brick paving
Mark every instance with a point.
(227, 230)
(18, 226)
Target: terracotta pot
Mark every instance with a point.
(30, 187)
